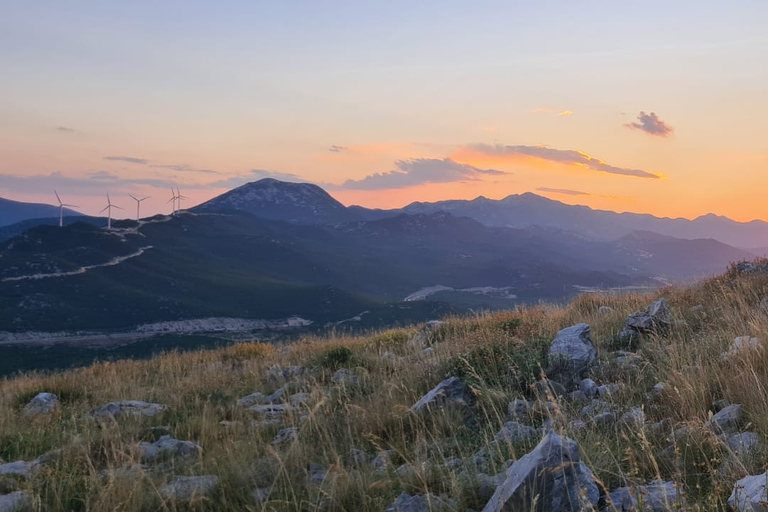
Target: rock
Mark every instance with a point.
(155, 433)
(578, 396)
(657, 496)
(344, 376)
(261, 494)
(656, 319)
(317, 474)
(552, 474)
(271, 411)
(19, 468)
(388, 356)
(285, 435)
(515, 433)
(571, 354)
(252, 399)
(264, 424)
(608, 390)
(427, 352)
(184, 489)
(358, 457)
(117, 410)
(280, 373)
(604, 310)
(719, 405)
(659, 388)
(728, 420)
(419, 503)
(628, 358)
(749, 494)
(588, 387)
(453, 463)
(518, 409)
(426, 336)
(451, 392)
(16, 502)
(298, 399)
(383, 459)
(741, 346)
(697, 309)
(604, 419)
(633, 419)
(551, 388)
(749, 267)
(276, 397)
(596, 407)
(169, 448)
(486, 485)
(743, 442)
(42, 403)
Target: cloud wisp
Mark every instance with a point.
(563, 191)
(651, 124)
(155, 165)
(128, 159)
(420, 171)
(337, 149)
(561, 156)
(65, 129)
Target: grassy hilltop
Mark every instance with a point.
(97, 465)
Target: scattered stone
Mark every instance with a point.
(420, 503)
(609, 390)
(552, 472)
(657, 496)
(515, 433)
(728, 420)
(588, 387)
(628, 358)
(596, 407)
(427, 352)
(298, 399)
(285, 435)
(748, 267)
(604, 310)
(383, 459)
(453, 463)
(280, 373)
(19, 468)
(276, 397)
(656, 319)
(749, 494)
(486, 485)
(317, 474)
(344, 376)
(184, 489)
(42, 403)
(265, 424)
(518, 409)
(426, 336)
(261, 494)
(552, 388)
(741, 346)
(358, 457)
(697, 309)
(252, 399)
(577, 425)
(271, 411)
(743, 442)
(571, 354)
(16, 502)
(578, 396)
(604, 419)
(450, 392)
(230, 425)
(117, 410)
(127, 472)
(634, 419)
(659, 388)
(169, 448)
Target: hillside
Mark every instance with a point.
(347, 423)
(12, 212)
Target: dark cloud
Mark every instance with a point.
(95, 183)
(563, 191)
(420, 171)
(129, 159)
(65, 129)
(651, 124)
(337, 149)
(564, 156)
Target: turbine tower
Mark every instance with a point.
(61, 209)
(172, 200)
(179, 197)
(108, 209)
(138, 204)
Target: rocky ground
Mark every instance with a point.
(638, 402)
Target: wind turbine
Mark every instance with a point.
(108, 209)
(179, 197)
(172, 200)
(138, 204)
(61, 209)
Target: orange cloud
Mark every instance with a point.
(565, 113)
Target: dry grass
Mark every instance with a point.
(498, 354)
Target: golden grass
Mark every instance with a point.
(201, 390)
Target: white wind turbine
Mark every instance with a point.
(172, 200)
(108, 209)
(179, 197)
(138, 204)
(61, 209)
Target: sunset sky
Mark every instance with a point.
(658, 107)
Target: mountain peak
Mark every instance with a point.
(281, 200)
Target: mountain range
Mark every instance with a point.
(12, 212)
(273, 250)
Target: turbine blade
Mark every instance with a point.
(115, 206)
(171, 199)
(105, 209)
(132, 197)
(57, 196)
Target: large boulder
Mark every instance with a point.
(570, 356)
(169, 448)
(749, 494)
(184, 489)
(136, 408)
(450, 392)
(657, 496)
(549, 478)
(15, 502)
(42, 403)
(727, 420)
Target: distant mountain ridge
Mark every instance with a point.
(12, 212)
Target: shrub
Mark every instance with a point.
(336, 357)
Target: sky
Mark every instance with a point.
(654, 107)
